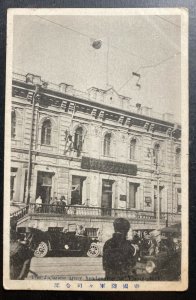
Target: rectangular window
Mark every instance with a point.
(13, 125)
(13, 183)
(179, 200)
(133, 187)
(106, 145)
(106, 200)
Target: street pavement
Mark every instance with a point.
(67, 268)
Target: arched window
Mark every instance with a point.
(133, 145)
(46, 133)
(178, 157)
(78, 140)
(156, 154)
(107, 144)
(13, 125)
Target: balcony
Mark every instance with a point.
(100, 212)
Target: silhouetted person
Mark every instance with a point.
(63, 203)
(118, 253)
(21, 253)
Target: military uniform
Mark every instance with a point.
(119, 253)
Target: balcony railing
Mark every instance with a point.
(81, 210)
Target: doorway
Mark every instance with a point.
(106, 200)
(44, 186)
(77, 190)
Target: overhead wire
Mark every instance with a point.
(88, 36)
(65, 27)
(113, 46)
(148, 66)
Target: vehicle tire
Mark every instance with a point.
(94, 250)
(42, 250)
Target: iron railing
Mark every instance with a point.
(81, 210)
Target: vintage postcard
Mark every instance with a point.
(96, 141)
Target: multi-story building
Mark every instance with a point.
(106, 155)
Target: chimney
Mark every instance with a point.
(34, 79)
(66, 88)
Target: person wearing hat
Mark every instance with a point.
(119, 253)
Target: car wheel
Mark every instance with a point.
(94, 250)
(41, 250)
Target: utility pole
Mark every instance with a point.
(30, 146)
(158, 197)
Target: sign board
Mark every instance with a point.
(108, 166)
(123, 197)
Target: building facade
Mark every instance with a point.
(97, 149)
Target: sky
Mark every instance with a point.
(60, 50)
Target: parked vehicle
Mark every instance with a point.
(70, 242)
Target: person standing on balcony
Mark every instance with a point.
(119, 255)
(38, 203)
(63, 204)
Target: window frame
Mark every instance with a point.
(177, 157)
(107, 141)
(133, 149)
(13, 124)
(78, 140)
(46, 133)
(157, 154)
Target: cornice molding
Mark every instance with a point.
(97, 110)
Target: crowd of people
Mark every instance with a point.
(152, 244)
(120, 253)
(56, 205)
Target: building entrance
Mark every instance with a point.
(44, 186)
(77, 190)
(106, 201)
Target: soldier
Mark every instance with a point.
(119, 255)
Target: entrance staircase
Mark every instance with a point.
(20, 215)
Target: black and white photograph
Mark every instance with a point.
(96, 150)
